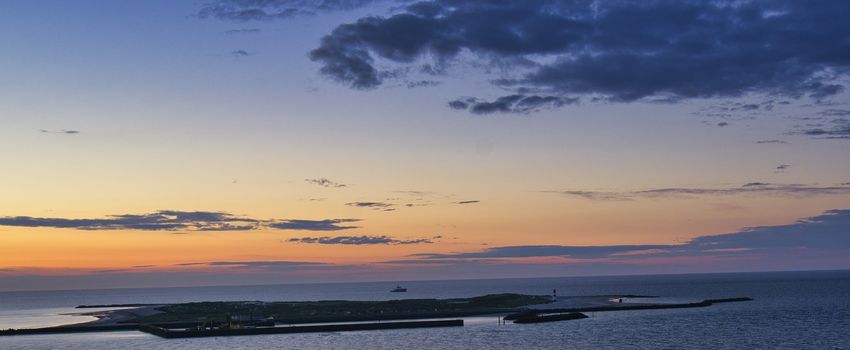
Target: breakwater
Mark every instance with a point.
(551, 318)
(162, 331)
(195, 333)
(622, 307)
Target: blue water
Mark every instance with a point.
(792, 310)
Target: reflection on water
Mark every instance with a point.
(41, 318)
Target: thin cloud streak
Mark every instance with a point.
(325, 183)
(361, 240)
(765, 142)
(838, 129)
(372, 205)
(242, 31)
(314, 225)
(268, 10)
(791, 190)
(63, 131)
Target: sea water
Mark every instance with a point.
(791, 310)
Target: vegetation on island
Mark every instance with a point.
(340, 310)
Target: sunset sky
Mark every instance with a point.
(173, 143)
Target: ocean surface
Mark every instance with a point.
(791, 310)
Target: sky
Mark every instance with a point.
(224, 142)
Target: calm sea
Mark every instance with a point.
(792, 310)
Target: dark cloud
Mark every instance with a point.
(421, 83)
(613, 50)
(793, 190)
(835, 113)
(314, 225)
(731, 110)
(266, 10)
(411, 205)
(373, 205)
(325, 183)
(517, 103)
(361, 240)
(468, 202)
(746, 107)
(170, 220)
(243, 31)
(762, 142)
(461, 104)
(829, 231)
(63, 131)
(164, 220)
(722, 124)
(839, 129)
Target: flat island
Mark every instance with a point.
(342, 310)
(199, 319)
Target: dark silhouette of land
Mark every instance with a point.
(200, 319)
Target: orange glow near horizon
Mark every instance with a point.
(461, 228)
